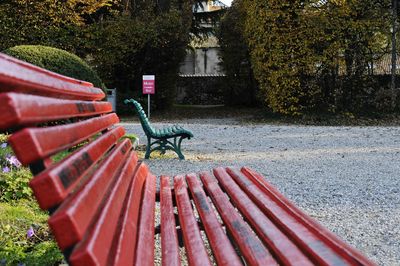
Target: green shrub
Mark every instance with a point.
(5, 151)
(20, 214)
(16, 245)
(56, 60)
(61, 24)
(240, 87)
(3, 138)
(132, 137)
(316, 56)
(14, 178)
(44, 253)
(14, 185)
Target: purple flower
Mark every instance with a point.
(3, 145)
(6, 169)
(30, 232)
(14, 161)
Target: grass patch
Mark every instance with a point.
(14, 185)
(141, 151)
(16, 246)
(61, 155)
(132, 137)
(19, 213)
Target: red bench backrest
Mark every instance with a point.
(87, 192)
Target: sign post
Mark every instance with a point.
(149, 87)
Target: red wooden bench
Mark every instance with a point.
(102, 200)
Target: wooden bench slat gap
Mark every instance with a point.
(157, 237)
(45, 142)
(55, 183)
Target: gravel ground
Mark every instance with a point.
(345, 177)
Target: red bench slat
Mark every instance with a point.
(45, 71)
(96, 245)
(70, 222)
(19, 109)
(250, 246)
(44, 142)
(144, 254)
(195, 249)
(53, 184)
(303, 237)
(169, 236)
(342, 249)
(17, 76)
(284, 250)
(126, 239)
(222, 248)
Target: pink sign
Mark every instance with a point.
(149, 84)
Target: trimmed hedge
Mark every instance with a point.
(56, 60)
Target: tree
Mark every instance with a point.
(46, 22)
(282, 58)
(314, 55)
(123, 39)
(145, 39)
(359, 32)
(241, 87)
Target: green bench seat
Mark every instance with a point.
(161, 137)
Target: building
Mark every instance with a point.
(200, 72)
(202, 58)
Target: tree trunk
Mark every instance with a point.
(394, 53)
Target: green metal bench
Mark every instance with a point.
(161, 136)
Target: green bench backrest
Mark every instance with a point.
(148, 129)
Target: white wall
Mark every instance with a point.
(201, 61)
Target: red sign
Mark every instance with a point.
(149, 84)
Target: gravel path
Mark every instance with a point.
(345, 177)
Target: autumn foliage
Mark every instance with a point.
(121, 39)
(316, 55)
